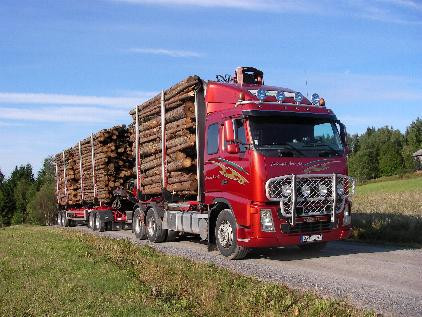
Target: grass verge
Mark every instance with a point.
(51, 271)
(389, 211)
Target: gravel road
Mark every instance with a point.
(385, 279)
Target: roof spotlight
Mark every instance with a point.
(280, 96)
(315, 99)
(261, 94)
(298, 97)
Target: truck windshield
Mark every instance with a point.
(295, 136)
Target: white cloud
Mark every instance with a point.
(62, 99)
(387, 11)
(63, 114)
(162, 51)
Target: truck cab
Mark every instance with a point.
(275, 166)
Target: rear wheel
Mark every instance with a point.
(99, 224)
(59, 218)
(138, 225)
(225, 236)
(65, 221)
(92, 220)
(155, 231)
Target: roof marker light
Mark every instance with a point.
(280, 96)
(322, 102)
(315, 99)
(261, 94)
(298, 97)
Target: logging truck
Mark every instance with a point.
(241, 164)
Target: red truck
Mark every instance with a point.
(271, 170)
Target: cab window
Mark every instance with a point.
(212, 139)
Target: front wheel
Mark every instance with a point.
(225, 236)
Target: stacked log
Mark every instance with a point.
(107, 164)
(180, 140)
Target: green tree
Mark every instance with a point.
(413, 142)
(42, 207)
(364, 165)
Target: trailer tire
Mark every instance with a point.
(317, 246)
(92, 220)
(59, 218)
(99, 224)
(65, 220)
(138, 225)
(225, 236)
(154, 227)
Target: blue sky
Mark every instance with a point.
(72, 67)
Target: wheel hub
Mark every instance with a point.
(151, 226)
(225, 234)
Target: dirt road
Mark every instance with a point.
(385, 279)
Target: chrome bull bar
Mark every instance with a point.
(310, 194)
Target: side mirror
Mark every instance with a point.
(233, 148)
(229, 131)
(343, 134)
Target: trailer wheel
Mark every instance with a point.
(59, 218)
(92, 220)
(99, 224)
(138, 224)
(318, 246)
(225, 236)
(65, 220)
(155, 231)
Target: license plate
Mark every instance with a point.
(311, 238)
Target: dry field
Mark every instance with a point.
(389, 211)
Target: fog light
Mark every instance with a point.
(347, 217)
(323, 190)
(286, 190)
(306, 190)
(267, 223)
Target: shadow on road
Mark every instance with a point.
(335, 248)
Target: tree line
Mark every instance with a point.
(28, 199)
(384, 151)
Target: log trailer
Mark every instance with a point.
(270, 170)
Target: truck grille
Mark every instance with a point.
(310, 194)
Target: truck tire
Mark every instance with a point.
(225, 236)
(92, 220)
(317, 246)
(138, 225)
(65, 220)
(155, 231)
(99, 224)
(59, 218)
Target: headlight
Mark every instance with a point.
(340, 190)
(286, 190)
(306, 190)
(323, 190)
(267, 223)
